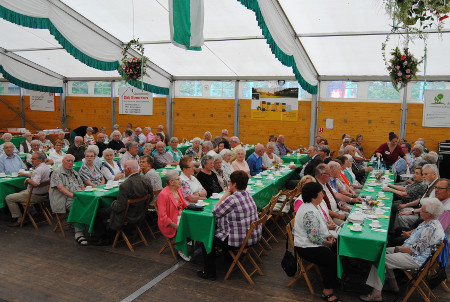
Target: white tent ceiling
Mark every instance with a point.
(341, 38)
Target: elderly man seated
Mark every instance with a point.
(408, 211)
(235, 144)
(102, 146)
(131, 154)
(111, 218)
(10, 162)
(358, 166)
(142, 139)
(254, 161)
(77, 149)
(314, 160)
(24, 146)
(7, 137)
(116, 142)
(40, 174)
(208, 148)
(163, 158)
(46, 144)
(235, 212)
(63, 183)
(282, 148)
(146, 164)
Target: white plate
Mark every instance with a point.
(373, 185)
(372, 216)
(88, 190)
(200, 205)
(356, 230)
(218, 197)
(375, 226)
(257, 176)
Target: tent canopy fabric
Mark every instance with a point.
(83, 39)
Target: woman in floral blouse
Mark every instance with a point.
(312, 239)
(176, 154)
(414, 251)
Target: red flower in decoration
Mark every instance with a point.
(443, 18)
(403, 57)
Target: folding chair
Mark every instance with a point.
(147, 214)
(60, 224)
(145, 200)
(243, 254)
(416, 278)
(278, 213)
(267, 210)
(303, 270)
(28, 203)
(168, 243)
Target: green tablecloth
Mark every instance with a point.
(9, 185)
(16, 140)
(200, 225)
(163, 175)
(85, 205)
(298, 159)
(369, 245)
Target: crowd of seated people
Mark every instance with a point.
(329, 184)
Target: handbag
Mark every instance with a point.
(194, 207)
(436, 279)
(289, 262)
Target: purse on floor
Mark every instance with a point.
(289, 262)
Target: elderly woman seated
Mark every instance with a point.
(190, 186)
(227, 167)
(62, 137)
(7, 137)
(56, 156)
(146, 165)
(240, 164)
(414, 251)
(337, 181)
(46, 144)
(89, 172)
(25, 146)
(163, 158)
(111, 170)
(170, 205)
(196, 150)
(35, 147)
(147, 149)
(312, 239)
(176, 154)
(89, 138)
(97, 160)
(219, 172)
(269, 157)
(207, 177)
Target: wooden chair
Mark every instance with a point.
(416, 278)
(168, 243)
(243, 254)
(277, 214)
(267, 210)
(302, 272)
(147, 214)
(28, 203)
(145, 199)
(60, 223)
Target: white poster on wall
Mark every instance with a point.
(436, 108)
(135, 101)
(42, 101)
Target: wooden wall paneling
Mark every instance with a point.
(88, 111)
(8, 118)
(296, 133)
(42, 119)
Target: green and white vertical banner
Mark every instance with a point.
(186, 19)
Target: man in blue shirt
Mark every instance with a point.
(254, 161)
(10, 162)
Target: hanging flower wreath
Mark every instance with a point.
(133, 68)
(402, 68)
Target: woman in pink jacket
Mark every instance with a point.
(170, 205)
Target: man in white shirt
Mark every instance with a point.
(208, 148)
(131, 154)
(141, 137)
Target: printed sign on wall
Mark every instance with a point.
(275, 104)
(436, 108)
(135, 101)
(42, 101)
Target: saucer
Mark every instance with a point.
(257, 176)
(375, 226)
(86, 190)
(216, 197)
(356, 230)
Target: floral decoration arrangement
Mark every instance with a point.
(402, 67)
(132, 67)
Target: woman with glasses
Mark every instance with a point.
(55, 156)
(190, 186)
(170, 205)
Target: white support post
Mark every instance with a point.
(113, 104)
(236, 108)
(404, 113)
(22, 107)
(63, 106)
(169, 110)
(314, 116)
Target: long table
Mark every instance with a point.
(298, 159)
(367, 244)
(9, 185)
(16, 140)
(200, 225)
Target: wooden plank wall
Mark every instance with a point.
(373, 120)
(296, 133)
(415, 130)
(193, 117)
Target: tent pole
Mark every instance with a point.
(63, 106)
(236, 108)
(113, 105)
(404, 113)
(314, 115)
(169, 110)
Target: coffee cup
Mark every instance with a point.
(357, 226)
(376, 223)
(2, 174)
(259, 182)
(88, 188)
(14, 174)
(200, 203)
(215, 195)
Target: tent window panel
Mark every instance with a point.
(247, 89)
(80, 88)
(13, 89)
(191, 88)
(102, 88)
(2, 88)
(418, 89)
(342, 90)
(383, 90)
(222, 89)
